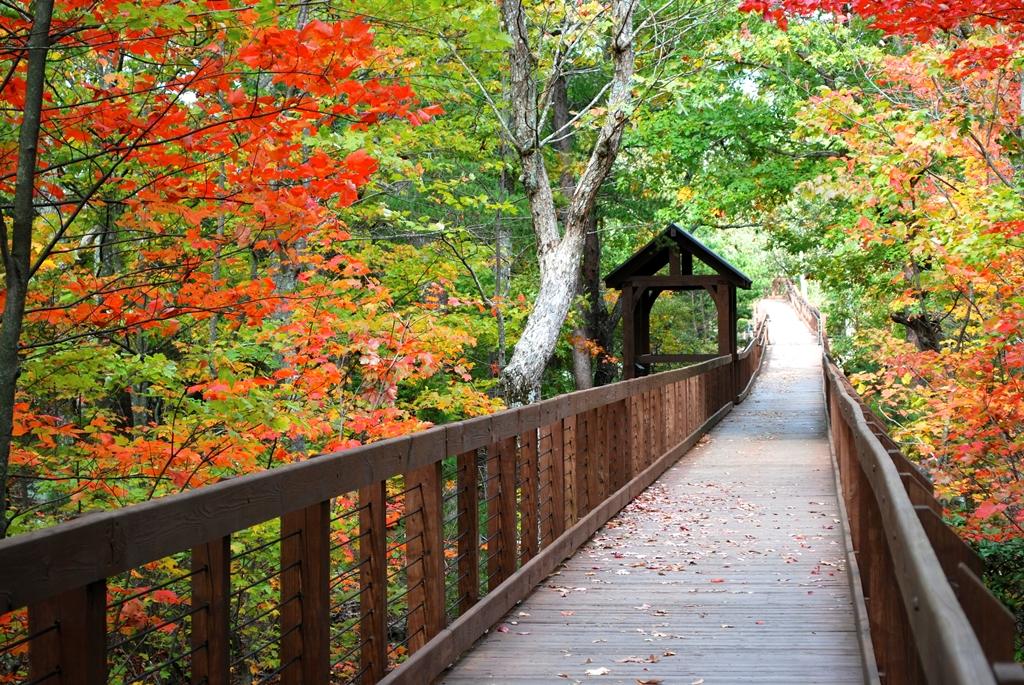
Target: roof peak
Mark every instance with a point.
(649, 259)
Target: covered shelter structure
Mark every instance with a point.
(640, 280)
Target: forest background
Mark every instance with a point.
(261, 232)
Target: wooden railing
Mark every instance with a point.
(339, 568)
(930, 616)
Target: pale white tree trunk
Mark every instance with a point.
(558, 253)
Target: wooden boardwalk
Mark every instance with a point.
(730, 569)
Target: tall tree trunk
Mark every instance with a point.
(502, 262)
(502, 276)
(582, 369)
(558, 254)
(17, 254)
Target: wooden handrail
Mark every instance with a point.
(525, 487)
(931, 618)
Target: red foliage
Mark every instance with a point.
(919, 18)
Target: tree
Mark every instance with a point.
(168, 142)
(558, 252)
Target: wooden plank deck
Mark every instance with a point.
(730, 569)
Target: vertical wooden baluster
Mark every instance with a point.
(626, 424)
(684, 408)
(469, 484)
(373, 582)
(469, 531)
(569, 450)
(650, 440)
(697, 401)
(657, 425)
(613, 447)
(582, 489)
(493, 495)
(643, 434)
(595, 456)
(605, 448)
(653, 426)
(607, 451)
(595, 439)
(545, 493)
(507, 509)
(77, 649)
(705, 397)
(528, 504)
(667, 417)
(635, 443)
(673, 416)
(425, 543)
(305, 604)
(211, 630)
(645, 430)
(662, 423)
(558, 480)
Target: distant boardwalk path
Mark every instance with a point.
(730, 569)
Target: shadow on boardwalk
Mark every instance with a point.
(729, 569)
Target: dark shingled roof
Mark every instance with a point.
(654, 255)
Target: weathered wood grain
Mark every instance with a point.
(373, 582)
(305, 596)
(210, 632)
(425, 548)
(469, 528)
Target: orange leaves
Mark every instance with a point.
(971, 58)
(223, 389)
(917, 18)
(204, 315)
(361, 166)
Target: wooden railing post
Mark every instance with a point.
(616, 449)
(528, 502)
(373, 582)
(211, 629)
(641, 431)
(425, 550)
(545, 489)
(305, 599)
(558, 480)
(468, 531)
(501, 510)
(626, 439)
(77, 648)
(595, 457)
(582, 461)
(569, 451)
